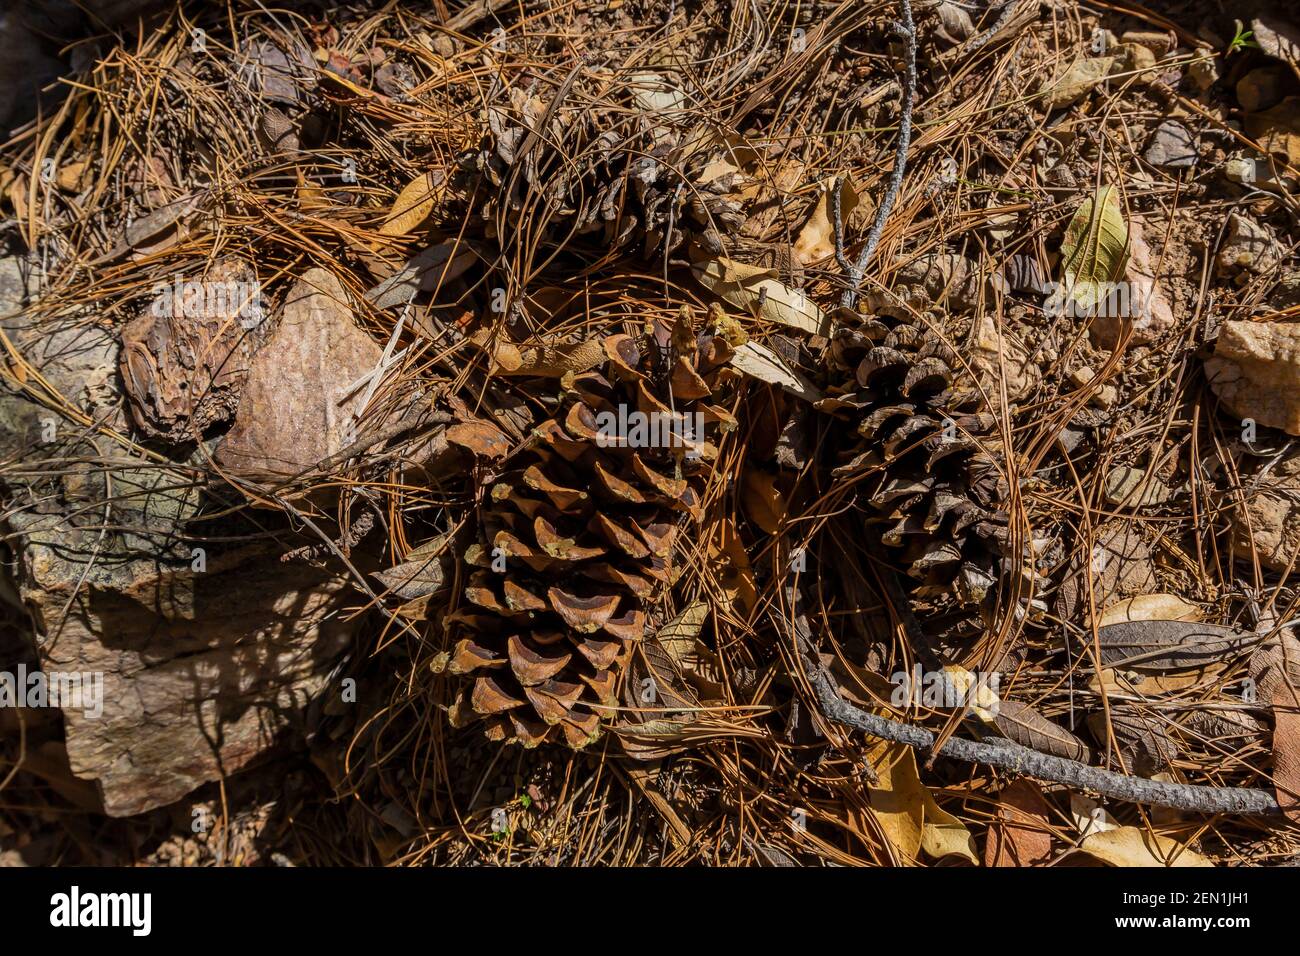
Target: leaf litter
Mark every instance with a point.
(524, 227)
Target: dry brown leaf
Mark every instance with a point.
(1275, 669)
(1134, 846)
(760, 362)
(1286, 760)
(1151, 607)
(1277, 130)
(762, 500)
(907, 811)
(1022, 724)
(816, 240)
(896, 798)
(480, 438)
(415, 203)
(1021, 834)
(1157, 646)
(758, 289)
(550, 361)
(678, 636)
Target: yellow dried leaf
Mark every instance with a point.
(896, 799)
(1151, 607)
(762, 500)
(816, 240)
(1095, 248)
(906, 811)
(1134, 846)
(945, 835)
(414, 204)
(758, 290)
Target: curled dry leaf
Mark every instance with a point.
(427, 270)
(479, 437)
(1134, 846)
(760, 362)
(552, 361)
(423, 571)
(816, 241)
(1148, 309)
(759, 290)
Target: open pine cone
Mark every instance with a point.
(655, 181)
(578, 536)
(924, 435)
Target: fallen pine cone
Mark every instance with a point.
(933, 485)
(578, 537)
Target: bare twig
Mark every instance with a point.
(1018, 759)
(856, 270)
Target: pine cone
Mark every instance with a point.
(924, 435)
(578, 538)
(654, 182)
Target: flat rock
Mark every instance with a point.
(295, 409)
(202, 671)
(997, 354)
(1255, 371)
(1248, 247)
(1171, 146)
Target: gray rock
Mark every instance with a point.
(1172, 146)
(1248, 247)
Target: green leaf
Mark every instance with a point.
(1095, 249)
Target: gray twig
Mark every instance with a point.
(858, 269)
(1018, 759)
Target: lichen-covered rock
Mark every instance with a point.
(206, 655)
(1255, 371)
